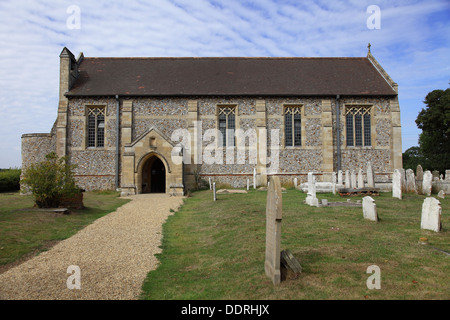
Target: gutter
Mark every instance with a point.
(338, 132)
(117, 141)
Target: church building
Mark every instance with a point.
(162, 125)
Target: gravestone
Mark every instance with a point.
(311, 198)
(435, 174)
(347, 179)
(369, 209)
(353, 179)
(397, 184)
(210, 185)
(339, 178)
(403, 179)
(214, 191)
(254, 178)
(274, 210)
(419, 179)
(248, 184)
(290, 264)
(410, 181)
(370, 176)
(360, 179)
(441, 194)
(295, 183)
(431, 214)
(427, 182)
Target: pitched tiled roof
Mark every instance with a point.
(228, 76)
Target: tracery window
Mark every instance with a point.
(227, 125)
(292, 126)
(358, 122)
(96, 127)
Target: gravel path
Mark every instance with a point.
(114, 255)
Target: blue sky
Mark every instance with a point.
(412, 44)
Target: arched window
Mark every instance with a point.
(96, 127)
(357, 123)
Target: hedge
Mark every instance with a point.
(9, 180)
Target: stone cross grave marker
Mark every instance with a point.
(274, 212)
(431, 214)
(311, 198)
(369, 209)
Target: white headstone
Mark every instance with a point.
(311, 198)
(397, 184)
(339, 178)
(210, 186)
(427, 182)
(353, 179)
(347, 179)
(360, 179)
(431, 214)
(369, 209)
(441, 194)
(410, 181)
(248, 184)
(295, 183)
(370, 176)
(214, 190)
(254, 178)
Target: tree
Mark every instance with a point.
(434, 120)
(412, 157)
(51, 181)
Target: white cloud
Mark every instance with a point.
(412, 44)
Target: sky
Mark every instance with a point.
(410, 39)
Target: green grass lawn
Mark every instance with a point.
(26, 231)
(215, 250)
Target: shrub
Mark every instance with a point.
(9, 180)
(51, 181)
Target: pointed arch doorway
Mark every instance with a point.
(153, 176)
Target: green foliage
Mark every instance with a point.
(413, 157)
(9, 180)
(51, 181)
(434, 120)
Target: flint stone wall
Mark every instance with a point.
(96, 167)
